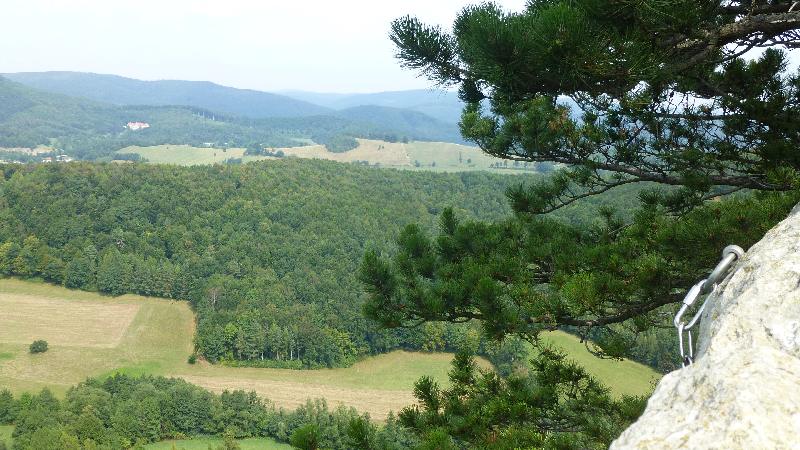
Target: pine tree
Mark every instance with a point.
(660, 94)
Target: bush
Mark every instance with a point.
(192, 358)
(38, 346)
(306, 437)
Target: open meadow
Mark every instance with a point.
(204, 443)
(92, 335)
(184, 155)
(417, 155)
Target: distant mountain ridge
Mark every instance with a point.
(89, 129)
(442, 105)
(201, 94)
(404, 121)
(418, 114)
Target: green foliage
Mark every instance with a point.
(38, 346)
(526, 274)
(121, 412)
(622, 87)
(8, 410)
(616, 93)
(541, 408)
(306, 437)
(267, 253)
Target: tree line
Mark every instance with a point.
(123, 412)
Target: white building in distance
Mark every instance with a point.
(136, 126)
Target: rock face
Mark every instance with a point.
(743, 391)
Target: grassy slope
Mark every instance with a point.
(446, 156)
(203, 444)
(622, 377)
(159, 339)
(184, 155)
(5, 434)
(396, 155)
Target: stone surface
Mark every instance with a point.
(743, 391)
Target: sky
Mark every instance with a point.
(320, 45)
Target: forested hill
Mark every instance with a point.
(405, 121)
(89, 130)
(266, 252)
(441, 105)
(118, 90)
(388, 118)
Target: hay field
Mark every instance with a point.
(84, 323)
(206, 443)
(446, 157)
(432, 156)
(158, 341)
(100, 334)
(374, 152)
(154, 336)
(184, 155)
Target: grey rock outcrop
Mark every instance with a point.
(743, 391)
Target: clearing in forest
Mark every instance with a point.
(184, 155)
(92, 335)
(417, 155)
(27, 318)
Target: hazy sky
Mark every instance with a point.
(332, 46)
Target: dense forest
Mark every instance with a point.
(266, 252)
(124, 412)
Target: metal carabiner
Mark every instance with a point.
(689, 300)
(691, 297)
(730, 254)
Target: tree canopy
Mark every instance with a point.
(624, 91)
(693, 101)
(617, 92)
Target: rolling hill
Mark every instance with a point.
(441, 105)
(405, 122)
(89, 129)
(199, 94)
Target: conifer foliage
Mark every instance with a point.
(692, 100)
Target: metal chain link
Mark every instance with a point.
(730, 255)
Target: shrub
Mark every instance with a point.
(192, 358)
(306, 437)
(39, 346)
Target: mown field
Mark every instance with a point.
(92, 335)
(432, 156)
(204, 443)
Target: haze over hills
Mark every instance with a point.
(201, 94)
(443, 106)
(439, 104)
(89, 128)
(405, 121)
